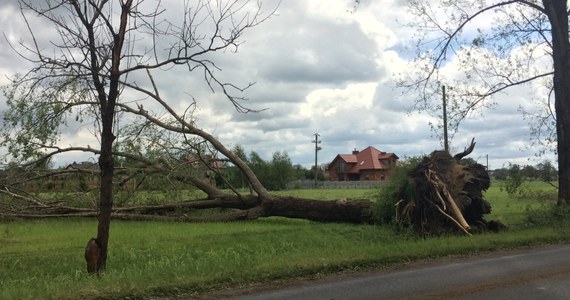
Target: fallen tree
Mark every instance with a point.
(232, 209)
(230, 204)
(444, 195)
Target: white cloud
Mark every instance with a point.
(334, 103)
(319, 68)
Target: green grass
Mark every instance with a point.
(44, 259)
(513, 210)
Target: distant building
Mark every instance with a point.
(86, 166)
(209, 165)
(370, 164)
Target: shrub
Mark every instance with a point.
(389, 194)
(548, 215)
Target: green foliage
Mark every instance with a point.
(546, 171)
(513, 183)
(500, 174)
(35, 112)
(548, 215)
(281, 171)
(310, 173)
(397, 187)
(240, 152)
(233, 174)
(514, 177)
(274, 174)
(83, 183)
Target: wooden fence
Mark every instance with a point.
(310, 184)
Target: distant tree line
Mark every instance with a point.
(513, 176)
(273, 174)
(544, 171)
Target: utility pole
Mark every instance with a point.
(317, 148)
(445, 142)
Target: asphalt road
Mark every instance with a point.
(531, 274)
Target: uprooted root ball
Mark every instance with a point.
(446, 196)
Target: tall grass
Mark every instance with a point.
(44, 259)
(534, 198)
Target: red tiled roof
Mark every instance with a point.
(348, 158)
(369, 158)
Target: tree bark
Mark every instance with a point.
(356, 211)
(343, 210)
(557, 13)
(107, 138)
(106, 193)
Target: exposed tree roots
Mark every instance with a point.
(446, 196)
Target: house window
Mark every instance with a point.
(340, 167)
(367, 177)
(388, 162)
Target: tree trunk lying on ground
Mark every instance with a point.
(448, 196)
(231, 208)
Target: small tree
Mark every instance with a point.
(529, 172)
(514, 180)
(237, 178)
(546, 171)
(281, 170)
(104, 49)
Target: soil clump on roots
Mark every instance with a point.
(444, 195)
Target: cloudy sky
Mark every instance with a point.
(320, 69)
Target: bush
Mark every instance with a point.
(548, 215)
(389, 195)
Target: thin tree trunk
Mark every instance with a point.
(106, 193)
(107, 138)
(557, 14)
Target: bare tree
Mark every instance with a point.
(103, 49)
(498, 46)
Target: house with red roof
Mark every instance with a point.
(369, 164)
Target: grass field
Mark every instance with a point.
(44, 259)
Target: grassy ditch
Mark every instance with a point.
(44, 259)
